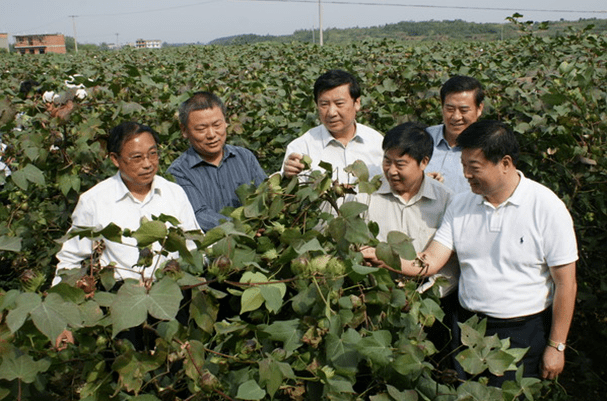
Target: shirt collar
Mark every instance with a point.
(121, 190)
(193, 158)
(426, 190)
(327, 138)
(439, 138)
(520, 191)
(518, 196)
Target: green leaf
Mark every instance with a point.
(213, 235)
(12, 244)
(53, 315)
(475, 391)
(401, 244)
(411, 362)
(251, 300)
(25, 303)
(67, 182)
(112, 232)
(310, 246)
(250, 390)
(29, 173)
(499, 361)
(385, 253)
(273, 294)
(164, 298)
(150, 232)
(364, 270)
(8, 299)
(128, 108)
(351, 209)
(377, 347)
(272, 373)
(91, 313)
(194, 361)
(22, 367)
(129, 308)
(359, 170)
(341, 352)
(340, 385)
(204, 311)
(407, 395)
(286, 331)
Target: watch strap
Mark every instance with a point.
(559, 346)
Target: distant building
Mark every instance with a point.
(148, 44)
(4, 41)
(40, 44)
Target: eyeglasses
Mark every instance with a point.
(138, 159)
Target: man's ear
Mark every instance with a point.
(424, 163)
(480, 110)
(183, 131)
(357, 104)
(507, 162)
(114, 158)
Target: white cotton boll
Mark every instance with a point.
(49, 96)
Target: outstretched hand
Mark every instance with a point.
(293, 165)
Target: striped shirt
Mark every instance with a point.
(210, 188)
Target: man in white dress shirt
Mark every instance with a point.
(135, 191)
(339, 140)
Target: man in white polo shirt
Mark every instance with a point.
(339, 140)
(517, 250)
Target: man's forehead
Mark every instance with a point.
(395, 154)
(141, 140)
(474, 155)
(337, 92)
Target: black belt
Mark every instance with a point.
(465, 314)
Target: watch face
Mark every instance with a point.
(560, 347)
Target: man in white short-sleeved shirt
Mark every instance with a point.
(339, 140)
(517, 250)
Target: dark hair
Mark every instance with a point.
(411, 139)
(199, 101)
(462, 83)
(494, 138)
(121, 133)
(27, 86)
(334, 78)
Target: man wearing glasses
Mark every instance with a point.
(210, 171)
(133, 193)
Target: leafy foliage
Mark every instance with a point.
(283, 310)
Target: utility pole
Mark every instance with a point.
(75, 36)
(320, 21)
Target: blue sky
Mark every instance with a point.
(192, 21)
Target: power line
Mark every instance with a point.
(151, 11)
(351, 3)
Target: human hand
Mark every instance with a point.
(437, 176)
(370, 256)
(293, 165)
(552, 364)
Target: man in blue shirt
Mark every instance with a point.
(462, 104)
(210, 171)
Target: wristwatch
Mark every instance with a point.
(559, 346)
